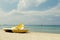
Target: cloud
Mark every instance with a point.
(53, 11)
(36, 5)
(24, 4)
(47, 17)
(18, 15)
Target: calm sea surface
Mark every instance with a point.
(40, 28)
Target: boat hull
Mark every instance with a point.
(16, 31)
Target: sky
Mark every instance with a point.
(32, 12)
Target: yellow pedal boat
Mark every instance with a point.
(17, 29)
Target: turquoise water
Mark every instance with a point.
(41, 28)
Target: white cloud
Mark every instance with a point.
(28, 16)
(23, 4)
(54, 11)
(29, 3)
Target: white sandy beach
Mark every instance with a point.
(28, 36)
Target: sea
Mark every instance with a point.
(39, 28)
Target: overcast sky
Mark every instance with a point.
(34, 12)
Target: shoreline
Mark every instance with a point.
(28, 36)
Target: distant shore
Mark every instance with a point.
(28, 36)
